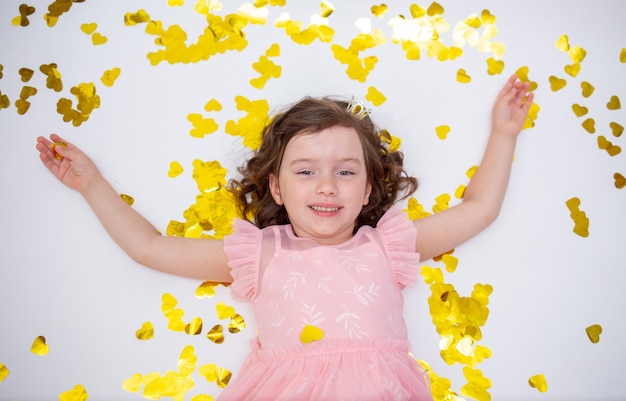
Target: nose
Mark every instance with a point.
(326, 184)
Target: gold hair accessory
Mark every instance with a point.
(358, 109)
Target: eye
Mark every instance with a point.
(305, 172)
(345, 173)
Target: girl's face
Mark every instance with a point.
(322, 182)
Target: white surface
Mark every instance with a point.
(63, 278)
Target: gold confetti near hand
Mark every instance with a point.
(146, 332)
(54, 146)
(581, 222)
(539, 382)
(78, 393)
(4, 372)
(311, 333)
(556, 83)
(593, 332)
(39, 346)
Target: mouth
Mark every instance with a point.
(324, 209)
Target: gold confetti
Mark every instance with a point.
(202, 397)
(620, 180)
(53, 80)
(577, 54)
(375, 97)
(622, 55)
(146, 332)
(173, 315)
(139, 17)
(5, 102)
(487, 18)
(441, 203)
(593, 332)
(563, 43)
(213, 373)
(494, 66)
(432, 275)
(78, 393)
(133, 384)
(616, 129)
(589, 125)
(98, 39)
(175, 169)
(216, 334)
(213, 105)
(237, 323)
(539, 382)
(451, 262)
(581, 222)
(250, 126)
(40, 347)
(88, 100)
(266, 67)
(22, 20)
(522, 74)
(207, 289)
(477, 385)
(614, 103)
(56, 9)
(128, 199)
(379, 11)
(579, 110)
(224, 311)
(442, 131)
(587, 88)
(194, 327)
(25, 74)
(109, 76)
(53, 148)
(311, 333)
(556, 83)
(201, 126)
(460, 191)
(607, 145)
(22, 104)
(4, 372)
(462, 77)
(415, 210)
(89, 28)
(572, 70)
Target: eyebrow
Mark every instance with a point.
(308, 160)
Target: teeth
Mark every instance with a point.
(324, 209)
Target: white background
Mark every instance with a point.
(63, 278)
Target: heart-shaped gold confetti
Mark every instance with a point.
(462, 77)
(572, 70)
(4, 372)
(473, 21)
(589, 125)
(22, 19)
(556, 83)
(175, 169)
(78, 393)
(539, 382)
(214, 374)
(613, 150)
(614, 103)
(206, 289)
(215, 334)
(617, 129)
(379, 11)
(109, 76)
(603, 143)
(587, 88)
(451, 262)
(375, 97)
(311, 333)
(194, 327)
(146, 332)
(140, 16)
(133, 384)
(128, 199)
(89, 28)
(593, 332)
(5, 102)
(431, 274)
(622, 55)
(213, 105)
(620, 180)
(460, 191)
(54, 151)
(236, 323)
(98, 39)
(224, 311)
(577, 54)
(579, 110)
(25, 74)
(27, 91)
(39, 346)
(494, 66)
(273, 50)
(487, 18)
(581, 222)
(22, 106)
(563, 43)
(434, 9)
(442, 131)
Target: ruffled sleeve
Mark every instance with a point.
(398, 235)
(243, 249)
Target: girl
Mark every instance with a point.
(325, 254)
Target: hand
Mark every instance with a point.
(511, 107)
(73, 169)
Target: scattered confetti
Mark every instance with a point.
(22, 104)
(616, 129)
(56, 9)
(579, 110)
(442, 131)
(146, 332)
(215, 374)
(577, 54)
(607, 145)
(581, 222)
(109, 76)
(5, 102)
(216, 334)
(539, 382)
(25, 74)
(250, 126)
(620, 180)
(224, 311)
(614, 103)
(494, 66)
(556, 84)
(98, 39)
(201, 126)
(379, 11)
(173, 315)
(128, 199)
(563, 43)
(589, 125)
(266, 67)
(572, 70)
(194, 327)
(53, 80)
(237, 323)
(40, 347)
(22, 19)
(139, 17)
(375, 97)
(78, 393)
(622, 55)
(593, 332)
(89, 28)
(175, 169)
(4, 372)
(587, 88)
(311, 333)
(87, 99)
(206, 289)
(522, 75)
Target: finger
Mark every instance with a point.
(506, 89)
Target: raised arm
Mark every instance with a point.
(196, 258)
(484, 195)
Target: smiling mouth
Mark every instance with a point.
(324, 209)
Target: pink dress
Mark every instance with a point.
(351, 291)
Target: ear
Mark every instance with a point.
(275, 190)
(368, 192)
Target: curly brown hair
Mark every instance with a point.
(385, 170)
